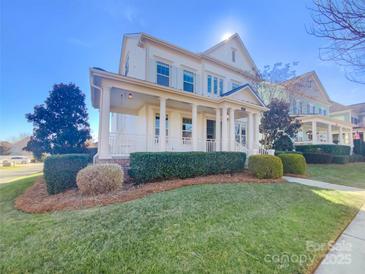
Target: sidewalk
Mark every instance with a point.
(340, 260)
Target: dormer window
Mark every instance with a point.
(233, 55)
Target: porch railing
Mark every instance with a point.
(124, 144)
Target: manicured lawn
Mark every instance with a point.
(352, 174)
(203, 229)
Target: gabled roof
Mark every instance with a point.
(236, 37)
(297, 85)
(245, 86)
(335, 107)
(144, 36)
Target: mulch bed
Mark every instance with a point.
(36, 199)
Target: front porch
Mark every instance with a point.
(132, 118)
(324, 130)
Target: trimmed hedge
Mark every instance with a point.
(279, 152)
(155, 166)
(357, 158)
(293, 163)
(340, 159)
(60, 171)
(325, 148)
(318, 158)
(265, 166)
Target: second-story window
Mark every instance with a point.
(314, 110)
(308, 108)
(209, 84)
(320, 111)
(324, 112)
(215, 85)
(163, 74)
(220, 86)
(189, 81)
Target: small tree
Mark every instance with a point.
(60, 124)
(5, 148)
(277, 122)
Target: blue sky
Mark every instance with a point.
(45, 42)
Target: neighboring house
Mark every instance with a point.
(354, 114)
(166, 98)
(310, 103)
(17, 147)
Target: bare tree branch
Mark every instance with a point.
(342, 24)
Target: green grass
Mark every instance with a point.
(352, 174)
(201, 229)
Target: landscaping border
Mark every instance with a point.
(36, 199)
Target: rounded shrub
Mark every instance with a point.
(340, 159)
(265, 166)
(98, 179)
(318, 157)
(293, 163)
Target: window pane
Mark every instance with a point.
(215, 84)
(209, 84)
(187, 128)
(188, 81)
(163, 74)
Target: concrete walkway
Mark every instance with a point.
(347, 255)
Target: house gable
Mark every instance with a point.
(308, 85)
(233, 52)
(244, 93)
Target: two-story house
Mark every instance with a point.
(166, 98)
(354, 114)
(310, 103)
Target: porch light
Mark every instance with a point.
(130, 95)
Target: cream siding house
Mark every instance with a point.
(200, 101)
(310, 103)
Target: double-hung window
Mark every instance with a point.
(209, 84)
(187, 128)
(189, 81)
(215, 85)
(313, 109)
(163, 74)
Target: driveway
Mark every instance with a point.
(13, 173)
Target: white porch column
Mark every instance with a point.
(231, 130)
(194, 122)
(162, 137)
(224, 129)
(329, 134)
(314, 132)
(104, 124)
(257, 131)
(351, 140)
(251, 129)
(218, 129)
(340, 136)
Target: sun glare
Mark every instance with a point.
(227, 35)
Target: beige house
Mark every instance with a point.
(166, 98)
(310, 103)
